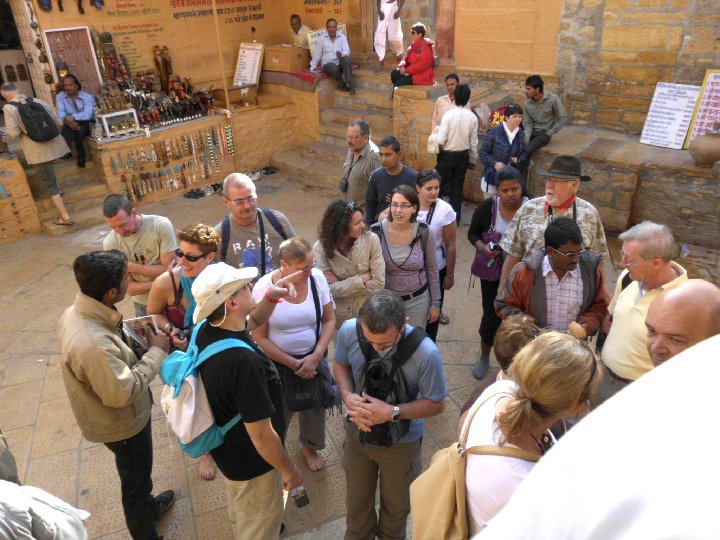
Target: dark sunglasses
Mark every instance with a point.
(351, 207)
(190, 258)
(569, 254)
(428, 173)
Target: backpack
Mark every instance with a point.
(438, 496)
(383, 379)
(225, 234)
(422, 234)
(184, 400)
(37, 122)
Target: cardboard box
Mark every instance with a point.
(285, 59)
(237, 94)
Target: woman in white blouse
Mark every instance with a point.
(298, 333)
(551, 378)
(440, 219)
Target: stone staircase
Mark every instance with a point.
(322, 160)
(83, 195)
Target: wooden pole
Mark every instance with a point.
(220, 55)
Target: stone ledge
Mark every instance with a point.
(518, 75)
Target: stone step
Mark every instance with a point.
(77, 196)
(326, 152)
(380, 124)
(365, 100)
(333, 132)
(298, 162)
(84, 218)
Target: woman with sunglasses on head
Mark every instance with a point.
(171, 300)
(417, 65)
(551, 378)
(409, 248)
(440, 218)
(296, 338)
(494, 214)
(350, 257)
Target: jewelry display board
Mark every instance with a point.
(73, 46)
(172, 161)
(249, 64)
(18, 212)
(707, 110)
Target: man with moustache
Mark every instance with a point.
(561, 286)
(524, 235)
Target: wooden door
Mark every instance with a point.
(73, 47)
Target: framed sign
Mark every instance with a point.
(670, 114)
(707, 110)
(249, 64)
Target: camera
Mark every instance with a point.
(492, 246)
(299, 496)
(183, 334)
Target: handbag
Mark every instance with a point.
(438, 497)
(433, 146)
(482, 266)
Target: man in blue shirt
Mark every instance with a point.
(75, 109)
(332, 54)
(384, 329)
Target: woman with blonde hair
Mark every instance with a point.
(553, 377)
(171, 300)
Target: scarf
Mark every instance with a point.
(186, 284)
(510, 134)
(564, 206)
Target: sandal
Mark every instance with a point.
(443, 319)
(60, 221)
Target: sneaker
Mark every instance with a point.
(351, 90)
(81, 162)
(163, 502)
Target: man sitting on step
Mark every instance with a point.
(332, 55)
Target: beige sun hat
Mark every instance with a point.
(217, 283)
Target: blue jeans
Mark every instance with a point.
(133, 459)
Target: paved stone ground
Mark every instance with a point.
(35, 415)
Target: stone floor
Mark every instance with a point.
(35, 416)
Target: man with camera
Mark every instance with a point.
(390, 377)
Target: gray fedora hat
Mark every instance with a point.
(565, 167)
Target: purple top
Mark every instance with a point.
(406, 270)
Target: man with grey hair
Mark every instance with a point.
(362, 159)
(250, 237)
(39, 154)
(646, 256)
(383, 436)
(682, 317)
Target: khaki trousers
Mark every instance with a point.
(396, 467)
(256, 506)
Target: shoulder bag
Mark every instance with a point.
(482, 266)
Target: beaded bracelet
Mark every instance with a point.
(271, 300)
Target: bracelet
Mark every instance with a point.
(435, 303)
(271, 300)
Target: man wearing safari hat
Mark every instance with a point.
(525, 234)
(238, 380)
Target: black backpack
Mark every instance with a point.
(383, 379)
(37, 122)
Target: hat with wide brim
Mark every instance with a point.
(217, 283)
(565, 167)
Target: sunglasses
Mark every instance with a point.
(190, 258)
(351, 207)
(569, 254)
(429, 173)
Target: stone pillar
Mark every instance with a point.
(445, 28)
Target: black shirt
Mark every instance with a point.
(238, 380)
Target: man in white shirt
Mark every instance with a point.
(446, 102)
(299, 32)
(332, 54)
(458, 140)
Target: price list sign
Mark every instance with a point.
(670, 115)
(249, 63)
(707, 111)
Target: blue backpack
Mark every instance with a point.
(184, 400)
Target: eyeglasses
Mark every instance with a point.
(179, 253)
(240, 202)
(403, 206)
(553, 180)
(569, 254)
(627, 260)
(305, 269)
(384, 345)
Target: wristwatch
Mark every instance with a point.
(396, 414)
